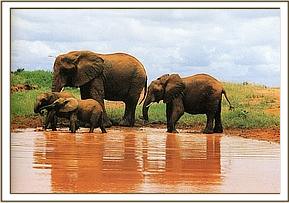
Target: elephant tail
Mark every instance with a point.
(145, 90)
(224, 92)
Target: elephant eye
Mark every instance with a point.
(43, 100)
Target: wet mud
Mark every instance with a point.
(141, 160)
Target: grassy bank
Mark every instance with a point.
(255, 106)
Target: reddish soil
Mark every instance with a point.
(21, 87)
(26, 122)
(275, 103)
(267, 134)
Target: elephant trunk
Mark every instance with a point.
(148, 101)
(47, 107)
(56, 84)
(36, 107)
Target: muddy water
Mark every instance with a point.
(142, 160)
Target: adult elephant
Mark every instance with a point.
(116, 77)
(197, 94)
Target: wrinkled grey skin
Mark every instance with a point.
(197, 94)
(115, 77)
(87, 111)
(45, 99)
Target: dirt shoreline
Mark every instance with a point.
(266, 134)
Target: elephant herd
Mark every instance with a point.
(121, 77)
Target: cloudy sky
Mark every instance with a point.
(233, 45)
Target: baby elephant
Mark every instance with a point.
(45, 99)
(87, 111)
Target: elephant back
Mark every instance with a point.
(124, 73)
(205, 81)
(201, 89)
(71, 104)
(87, 105)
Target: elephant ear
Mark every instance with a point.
(89, 66)
(163, 79)
(174, 88)
(70, 104)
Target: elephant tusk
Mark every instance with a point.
(147, 106)
(62, 89)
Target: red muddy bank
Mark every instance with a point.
(267, 134)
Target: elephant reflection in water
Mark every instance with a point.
(89, 164)
(128, 163)
(190, 165)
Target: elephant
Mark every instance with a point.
(116, 77)
(196, 94)
(87, 110)
(46, 99)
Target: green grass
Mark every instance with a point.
(250, 102)
(41, 78)
(22, 103)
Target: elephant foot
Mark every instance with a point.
(107, 124)
(207, 131)
(126, 123)
(103, 130)
(145, 122)
(218, 130)
(172, 131)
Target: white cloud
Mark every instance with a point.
(31, 54)
(229, 44)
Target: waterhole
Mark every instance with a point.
(141, 160)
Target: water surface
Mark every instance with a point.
(145, 160)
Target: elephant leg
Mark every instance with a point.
(218, 123)
(131, 101)
(95, 90)
(54, 122)
(94, 121)
(50, 120)
(209, 126)
(129, 113)
(85, 92)
(168, 115)
(73, 121)
(176, 112)
(91, 129)
(100, 123)
(46, 121)
(106, 122)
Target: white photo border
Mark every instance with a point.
(6, 45)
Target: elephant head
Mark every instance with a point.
(47, 98)
(63, 105)
(166, 88)
(43, 100)
(75, 69)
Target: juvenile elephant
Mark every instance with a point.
(87, 111)
(45, 99)
(197, 94)
(116, 77)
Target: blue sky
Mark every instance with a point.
(233, 45)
